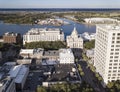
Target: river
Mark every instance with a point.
(67, 29)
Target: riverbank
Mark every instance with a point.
(67, 29)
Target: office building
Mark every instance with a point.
(107, 52)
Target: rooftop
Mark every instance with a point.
(64, 51)
(51, 53)
(26, 51)
(110, 27)
(36, 31)
(100, 19)
(63, 73)
(31, 51)
(18, 72)
(10, 34)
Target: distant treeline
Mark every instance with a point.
(23, 18)
(29, 18)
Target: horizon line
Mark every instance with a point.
(61, 8)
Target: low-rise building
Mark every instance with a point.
(32, 53)
(51, 54)
(24, 61)
(12, 38)
(75, 40)
(100, 20)
(19, 73)
(66, 56)
(43, 34)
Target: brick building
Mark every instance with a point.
(12, 37)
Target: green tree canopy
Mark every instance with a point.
(89, 44)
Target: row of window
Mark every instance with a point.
(114, 68)
(117, 34)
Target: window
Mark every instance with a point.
(118, 34)
(116, 57)
(112, 49)
(116, 49)
(111, 60)
(112, 45)
(110, 64)
(110, 67)
(113, 38)
(114, 70)
(118, 41)
(115, 60)
(118, 37)
(118, 74)
(114, 75)
(113, 41)
(111, 56)
(111, 53)
(113, 34)
(115, 63)
(116, 53)
(114, 67)
(117, 45)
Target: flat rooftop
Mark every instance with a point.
(31, 51)
(51, 53)
(110, 27)
(63, 72)
(37, 31)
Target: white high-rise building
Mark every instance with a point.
(43, 34)
(66, 56)
(74, 40)
(107, 52)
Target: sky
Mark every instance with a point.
(59, 3)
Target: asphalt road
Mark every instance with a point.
(90, 78)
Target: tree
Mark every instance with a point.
(41, 89)
(47, 45)
(89, 45)
(114, 86)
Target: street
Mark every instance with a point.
(90, 78)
